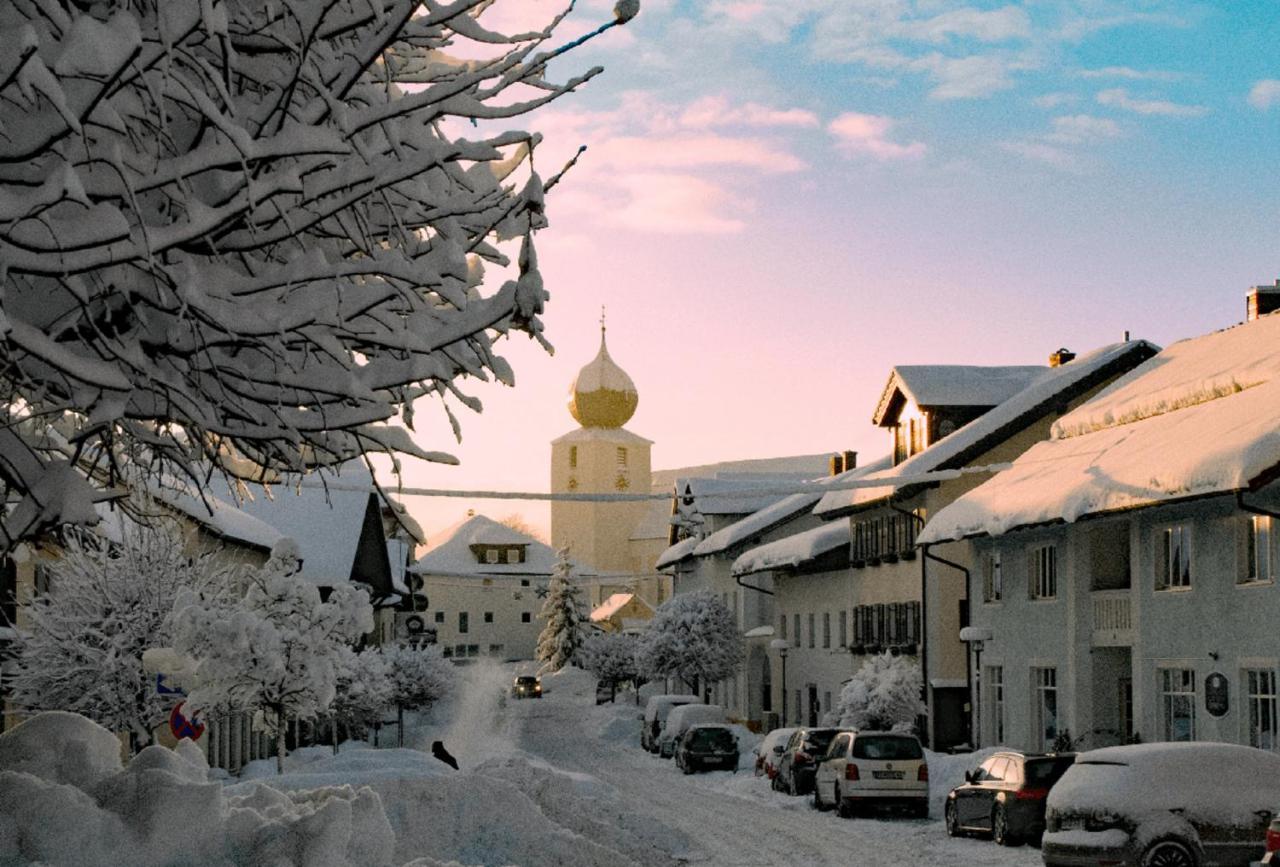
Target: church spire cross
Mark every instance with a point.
(602, 322)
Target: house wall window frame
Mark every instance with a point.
(812, 631)
(993, 677)
(1261, 717)
(526, 616)
(488, 617)
(1042, 572)
(795, 631)
(464, 623)
(1044, 706)
(1174, 549)
(992, 578)
(1258, 555)
(1177, 688)
(842, 628)
(826, 630)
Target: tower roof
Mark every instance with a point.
(602, 394)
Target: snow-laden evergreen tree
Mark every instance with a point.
(420, 676)
(81, 645)
(611, 657)
(277, 649)
(884, 695)
(363, 689)
(564, 632)
(692, 636)
(251, 235)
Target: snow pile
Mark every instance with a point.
(65, 798)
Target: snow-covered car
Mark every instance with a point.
(707, 746)
(527, 686)
(679, 721)
(799, 758)
(768, 751)
(872, 768)
(1168, 804)
(655, 717)
(1005, 796)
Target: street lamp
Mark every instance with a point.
(975, 636)
(780, 645)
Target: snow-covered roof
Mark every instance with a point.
(732, 495)
(955, 384)
(794, 551)
(221, 517)
(453, 554)
(795, 467)
(759, 632)
(681, 550)
(1200, 418)
(615, 603)
(1049, 388)
(778, 512)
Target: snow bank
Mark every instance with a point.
(61, 747)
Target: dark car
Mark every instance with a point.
(799, 759)
(1005, 796)
(706, 746)
(527, 686)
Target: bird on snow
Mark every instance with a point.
(438, 750)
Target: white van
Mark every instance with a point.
(873, 767)
(655, 716)
(679, 721)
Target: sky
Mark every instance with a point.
(782, 199)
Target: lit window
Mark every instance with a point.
(1173, 557)
(1259, 562)
(1177, 704)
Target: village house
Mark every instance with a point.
(1126, 586)
(622, 612)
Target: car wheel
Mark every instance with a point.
(818, 803)
(775, 782)
(843, 808)
(951, 819)
(1168, 853)
(687, 767)
(1000, 827)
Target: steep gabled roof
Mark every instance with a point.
(454, 551)
(953, 385)
(1053, 388)
(615, 603)
(1201, 418)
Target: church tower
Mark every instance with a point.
(603, 457)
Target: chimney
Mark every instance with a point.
(1061, 357)
(1261, 300)
(850, 460)
(837, 464)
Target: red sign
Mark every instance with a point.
(183, 727)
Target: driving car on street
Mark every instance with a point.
(527, 686)
(1005, 796)
(872, 769)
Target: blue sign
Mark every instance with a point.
(162, 689)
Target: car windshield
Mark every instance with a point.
(1044, 773)
(817, 741)
(526, 681)
(717, 739)
(886, 747)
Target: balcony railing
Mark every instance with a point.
(1112, 618)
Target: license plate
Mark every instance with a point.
(886, 775)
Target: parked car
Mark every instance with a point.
(799, 758)
(681, 718)
(527, 686)
(1272, 843)
(1169, 804)
(769, 749)
(707, 745)
(872, 768)
(1005, 796)
(655, 716)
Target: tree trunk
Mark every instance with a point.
(333, 726)
(400, 725)
(280, 741)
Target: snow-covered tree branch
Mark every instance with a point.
(250, 236)
(563, 633)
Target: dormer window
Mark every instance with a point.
(491, 555)
(513, 555)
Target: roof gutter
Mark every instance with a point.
(1256, 510)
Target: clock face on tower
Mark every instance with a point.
(621, 483)
(573, 483)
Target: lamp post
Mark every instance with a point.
(780, 645)
(975, 636)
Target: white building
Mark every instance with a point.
(1127, 566)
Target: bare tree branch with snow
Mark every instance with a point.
(249, 236)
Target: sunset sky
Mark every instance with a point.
(782, 200)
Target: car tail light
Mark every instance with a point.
(851, 772)
(922, 775)
(1273, 837)
(803, 757)
(1031, 794)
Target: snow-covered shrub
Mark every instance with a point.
(565, 630)
(277, 649)
(82, 643)
(611, 657)
(363, 689)
(884, 695)
(420, 676)
(246, 234)
(692, 636)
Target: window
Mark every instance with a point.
(995, 703)
(782, 626)
(1258, 563)
(524, 582)
(1177, 704)
(462, 622)
(1043, 572)
(795, 632)
(488, 617)
(1044, 709)
(843, 625)
(622, 457)
(513, 555)
(1260, 693)
(526, 617)
(491, 555)
(826, 629)
(439, 617)
(812, 636)
(1173, 557)
(799, 708)
(992, 578)
(573, 457)
(495, 649)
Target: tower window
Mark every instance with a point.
(622, 457)
(573, 456)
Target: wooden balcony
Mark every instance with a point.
(1112, 618)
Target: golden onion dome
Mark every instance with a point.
(602, 395)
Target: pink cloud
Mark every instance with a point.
(718, 111)
(867, 134)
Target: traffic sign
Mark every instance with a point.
(182, 727)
